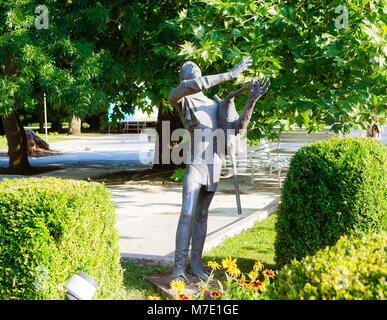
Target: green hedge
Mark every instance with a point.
(51, 228)
(333, 187)
(352, 269)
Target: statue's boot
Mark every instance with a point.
(196, 266)
(199, 232)
(183, 237)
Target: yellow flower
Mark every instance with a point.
(268, 273)
(153, 298)
(202, 287)
(233, 271)
(258, 266)
(178, 285)
(229, 263)
(253, 275)
(214, 265)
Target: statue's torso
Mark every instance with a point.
(203, 152)
(205, 110)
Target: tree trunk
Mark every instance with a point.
(163, 142)
(17, 144)
(41, 117)
(74, 126)
(2, 132)
(14, 131)
(95, 122)
(56, 126)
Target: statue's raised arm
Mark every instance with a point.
(193, 82)
(228, 117)
(256, 90)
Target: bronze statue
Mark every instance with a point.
(199, 113)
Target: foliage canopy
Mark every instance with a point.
(66, 61)
(322, 72)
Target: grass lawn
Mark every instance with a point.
(138, 288)
(254, 244)
(3, 143)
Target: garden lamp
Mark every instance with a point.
(80, 287)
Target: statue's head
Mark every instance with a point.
(189, 70)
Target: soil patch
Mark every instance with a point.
(149, 177)
(192, 286)
(232, 191)
(31, 172)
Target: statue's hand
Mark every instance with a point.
(258, 88)
(241, 66)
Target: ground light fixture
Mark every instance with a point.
(80, 287)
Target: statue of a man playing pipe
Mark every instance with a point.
(203, 170)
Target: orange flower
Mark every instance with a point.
(256, 285)
(215, 294)
(183, 296)
(244, 282)
(268, 273)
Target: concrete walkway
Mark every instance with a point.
(147, 215)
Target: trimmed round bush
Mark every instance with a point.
(353, 269)
(333, 187)
(51, 228)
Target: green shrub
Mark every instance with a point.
(333, 187)
(352, 269)
(178, 174)
(51, 228)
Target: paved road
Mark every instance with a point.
(109, 152)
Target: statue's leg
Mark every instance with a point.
(191, 189)
(199, 232)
